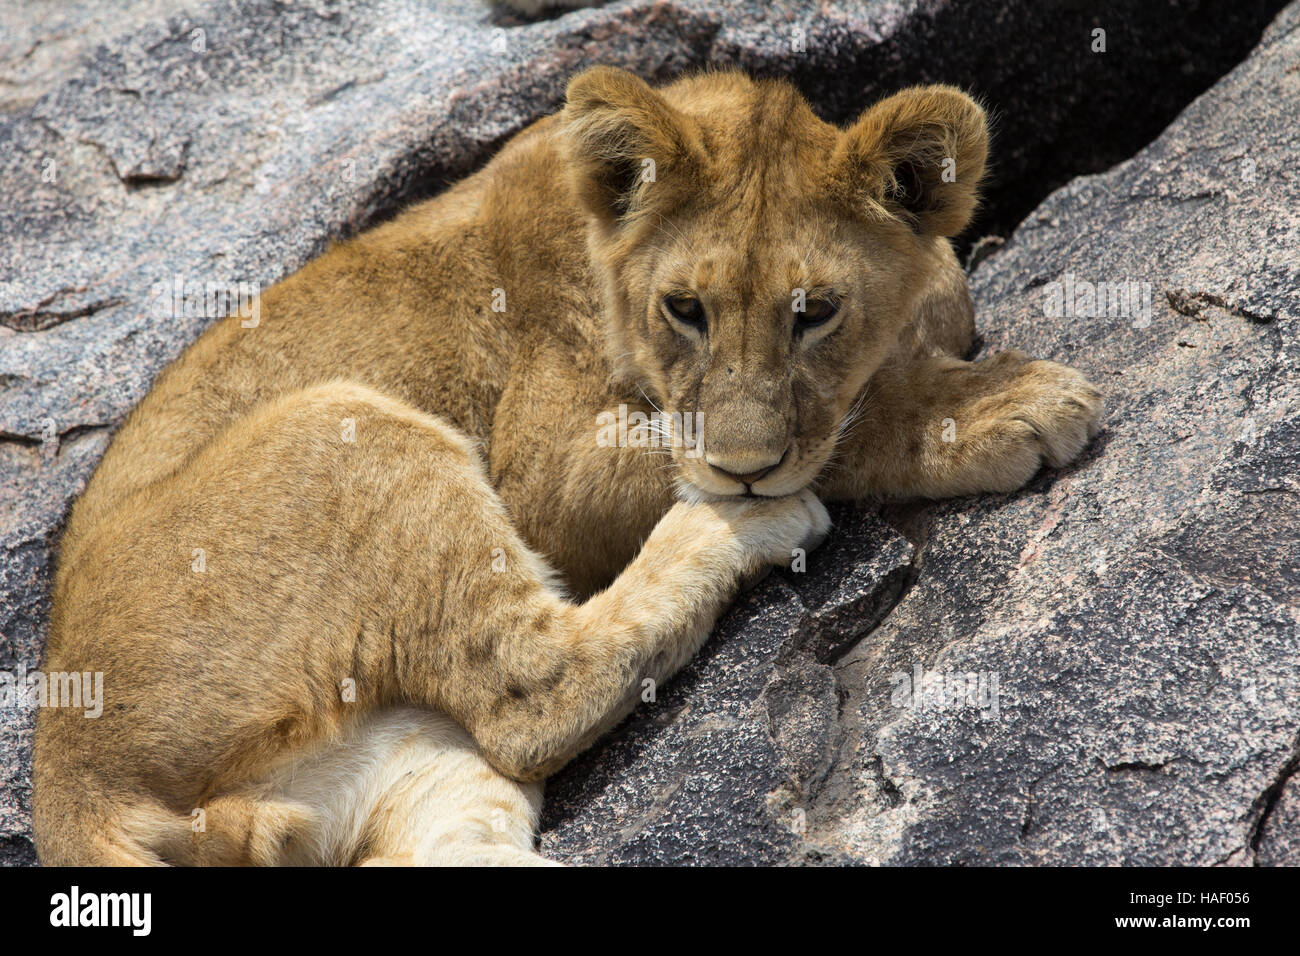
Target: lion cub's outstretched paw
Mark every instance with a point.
(1044, 413)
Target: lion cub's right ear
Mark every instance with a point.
(629, 149)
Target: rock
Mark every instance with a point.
(228, 141)
(1277, 840)
(16, 726)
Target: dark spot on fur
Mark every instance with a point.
(542, 622)
(479, 651)
(553, 679)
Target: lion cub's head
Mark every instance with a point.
(760, 263)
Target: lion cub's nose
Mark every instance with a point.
(743, 468)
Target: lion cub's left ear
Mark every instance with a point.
(918, 156)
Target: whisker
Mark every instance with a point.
(641, 389)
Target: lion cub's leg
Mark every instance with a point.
(930, 424)
(407, 787)
(544, 692)
(940, 427)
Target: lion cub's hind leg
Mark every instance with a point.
(405, 786)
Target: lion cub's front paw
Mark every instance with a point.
(1042, 413)
(769, 530)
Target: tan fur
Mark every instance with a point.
(387, 480)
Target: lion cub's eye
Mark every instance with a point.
(685, 309)
(817, 312)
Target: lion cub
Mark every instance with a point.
(321, 565)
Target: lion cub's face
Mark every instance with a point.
(759, 263)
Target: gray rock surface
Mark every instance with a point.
(230, 140)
